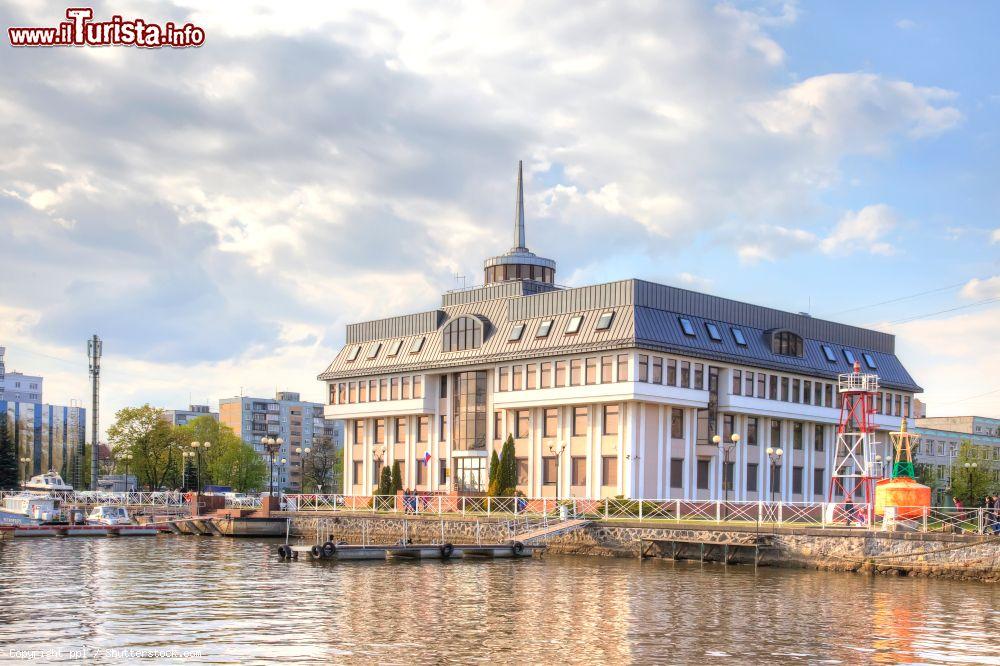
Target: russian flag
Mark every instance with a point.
(427, 457)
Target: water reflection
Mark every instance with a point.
(229, 601)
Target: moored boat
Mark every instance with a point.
(48, 482)
(30, 509)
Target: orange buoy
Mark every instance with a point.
(912, 499)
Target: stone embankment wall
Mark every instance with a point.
(942, 555)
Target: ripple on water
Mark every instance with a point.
(229, 601)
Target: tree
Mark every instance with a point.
(324, 466)
(152, 441)
(229, 461)
(397, 478)
(969, 484)
(507, 475)
(494, 488)
(385, 482)
(8, 457)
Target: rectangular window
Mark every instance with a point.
(518, 377)
(797, 443)
(748, 384)
(796, 389)
(797, 480)
(383, 389)
(775, 440)
(686, 326)
(543, 329)
(522, 471)
(610, 419)
(575, 372)
(418, 386)
(545, 381)
(752, 477)
(642, 368)
(503, 378)
(703, 470)
(404, 388)
(807, 392)
(394, 347)
(752, 431)
(713, 331)
(353, 354)
(699, 376)
(550, 426)
(897, 402)
(522, 420)
(498, 432)
(849, 355)
(817, 437)
(359, 432)
(394, 388)
(578, 470)
(657, 367)
(828, 353)
(374, 350)
(420, 471)
(607, 369)
(443, 427)
(590, 375)
(516, 332)
(574, 324)
(772, 391)
(761, 385)
(737, 382)
(609, 471)
(677, 424)
(373, 390)
(738, 337)
(400, 433)
(380, 431)
(870, 360)
(671, 372)
(580, 421)
(358, 470)
(676, 472)
(818, 482)
(906, 406)
(685, 374)
(549, 471)
(561, 373)
(784, 389)
(604, 322)
(362, 391)
(623, 367)
(829, 395)
(442, 471)
(530, 376)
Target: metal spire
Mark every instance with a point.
(519, 212)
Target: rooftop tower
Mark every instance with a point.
(519, 263)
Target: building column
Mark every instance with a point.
(690, 457)
(659, 451)
(621, 451)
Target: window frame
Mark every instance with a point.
(849, 357)
(574, 325)
(738, 336)
(353, 354)
(828, 353)
(605, 320)
(714, 333)
(544, 328)
(687, 328)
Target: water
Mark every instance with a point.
(222, 600)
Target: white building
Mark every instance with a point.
(19, 387)
(611, 389)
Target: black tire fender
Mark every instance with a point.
(316, 552)
(446, 551)
(517, 548)
(329, 548)
(281, 552)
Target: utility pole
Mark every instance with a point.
(94, 348)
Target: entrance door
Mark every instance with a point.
(471, 474)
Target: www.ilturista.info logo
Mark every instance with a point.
(81, 30)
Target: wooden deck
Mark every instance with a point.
(724, 552)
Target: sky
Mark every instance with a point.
(218, 214)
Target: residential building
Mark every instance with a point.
(941, 439)
(179, 417)
(609, 389)
(17, 386)
(300, 424)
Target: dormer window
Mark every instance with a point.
(870, 360)
(686, 326)
(828, 352)
(849, 355)
(574, 324)
(462, 333)
(516, 333)
(417, 345)
(739, 337)
(713, 331)
(374, 350)
(394, 347)
(786, 343)
(353, 354)
(605, 320)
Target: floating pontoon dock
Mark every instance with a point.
(330, 551)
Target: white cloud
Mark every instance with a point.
(995, 236)
(906, 24)
(773, 242)
(976, 289)
(696, 282)
(862, 231)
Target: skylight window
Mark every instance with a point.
(849, 355)
(353, 354)
(738, 336)
(416, 345)
(543, 329)
(686, 326)
(604, 322)
(394, 347)
(828, 352)
(516, 333)
(375, 349)
(870, 360)
(713, 331)
(574, 324)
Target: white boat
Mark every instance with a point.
(109, 515)
(48, 482)
(30, 509)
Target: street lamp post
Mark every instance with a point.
(27, 469)
(127, 458)
(199, 447)
(557, 451)
(302, 466)
(970, 468)
(186, 457)
(273, 445)
(727, 449)
(775, 457)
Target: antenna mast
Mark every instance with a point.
(94, 349)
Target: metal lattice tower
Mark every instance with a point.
(94, 349)
(854, 458)
(902, 448)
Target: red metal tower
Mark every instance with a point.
(853, 478)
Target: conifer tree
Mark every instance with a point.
(507, 477)
(494, 489)
(8, 457)
(385, 482)
(397, 479)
